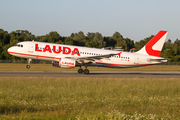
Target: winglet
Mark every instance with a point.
(119, 54)
(154, 46)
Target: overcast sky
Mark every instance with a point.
(135, 19)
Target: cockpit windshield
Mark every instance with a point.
(19, 45)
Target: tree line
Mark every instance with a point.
(95, 40)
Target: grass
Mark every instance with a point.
(89, 98)
(48, 67)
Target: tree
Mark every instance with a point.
(175, 48)
(69, 41)
(168, 53)
(90, 36)
(79, 38)
(95, 40)
(120, 42)
(142, 43)
(4, 37)
(109, 42)
(129, 44)
(5, 54)
(72, 35)
(99, 40)
(52, 37)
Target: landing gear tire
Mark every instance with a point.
(86, 71)
(27, 66)
(80, 71)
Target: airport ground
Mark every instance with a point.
(99, 97)
(49, 67)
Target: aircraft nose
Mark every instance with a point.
(10, 50)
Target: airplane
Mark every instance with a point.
(70, 56)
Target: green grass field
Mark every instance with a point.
(49, 67)
(89, 98)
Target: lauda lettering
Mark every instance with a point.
(66, 50)
(59, 49)
(68, 63)
(47, 48)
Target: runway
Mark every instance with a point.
(104, 74)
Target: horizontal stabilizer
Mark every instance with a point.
(161, 60)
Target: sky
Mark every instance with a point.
(134, 19)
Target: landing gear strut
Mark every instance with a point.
(86, 71)
(28, 66)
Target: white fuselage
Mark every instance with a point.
(54, 52)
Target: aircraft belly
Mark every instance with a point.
(115, 63)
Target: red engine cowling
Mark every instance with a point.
(65, 63)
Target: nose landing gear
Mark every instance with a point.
(28, 66)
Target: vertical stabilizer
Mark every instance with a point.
(154, 46)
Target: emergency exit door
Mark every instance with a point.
(136, 59)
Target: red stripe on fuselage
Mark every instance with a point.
(33, 55)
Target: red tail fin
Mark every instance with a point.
(154, 46)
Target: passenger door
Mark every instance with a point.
(31, 47)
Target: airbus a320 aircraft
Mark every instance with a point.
(69, 56)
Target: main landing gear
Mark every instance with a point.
(86, 71)
(28, 66)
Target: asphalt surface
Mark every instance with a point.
(112, 74)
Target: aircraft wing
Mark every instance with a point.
(93, 58)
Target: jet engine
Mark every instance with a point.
(65, 63)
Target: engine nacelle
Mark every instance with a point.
(65, 63)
